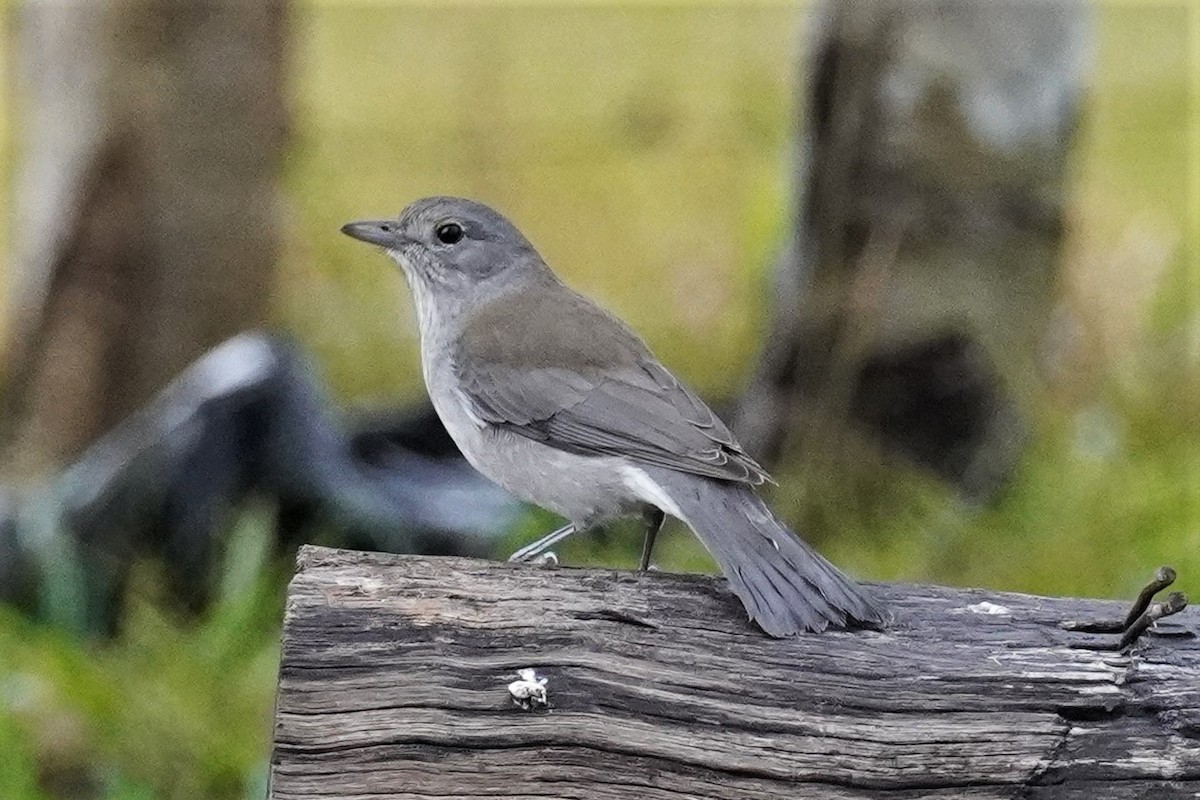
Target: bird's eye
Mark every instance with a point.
(449, 233)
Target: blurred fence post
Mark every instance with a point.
(911, 300)
(146, 206)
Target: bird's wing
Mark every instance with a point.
(555, 379)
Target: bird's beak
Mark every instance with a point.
(383, 232)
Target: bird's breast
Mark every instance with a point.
(583, 489)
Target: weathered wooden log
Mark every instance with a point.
(395, 679)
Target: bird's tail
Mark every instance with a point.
(785, 585)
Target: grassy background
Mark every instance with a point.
(644, 149)
(648, 171)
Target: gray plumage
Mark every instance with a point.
(558, 401)
(546, 379)
(785, 585)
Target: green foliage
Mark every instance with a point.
(18, 774)
(1102, 496)
(168, 709)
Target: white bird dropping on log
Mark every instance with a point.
(989, 608)
(528, 691)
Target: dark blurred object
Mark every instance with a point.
(937, 402)
(146, 205)
(912, 297)
(246, 420)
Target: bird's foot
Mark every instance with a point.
(654, 519)
(539, 552)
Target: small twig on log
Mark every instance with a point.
(1176, 602)
(1141, 617)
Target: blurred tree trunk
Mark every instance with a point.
(146, 213)
(911, 300)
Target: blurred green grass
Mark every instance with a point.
(172, 708)
(645, 151)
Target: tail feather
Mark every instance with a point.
(785, 585)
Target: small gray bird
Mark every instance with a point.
(559, 402)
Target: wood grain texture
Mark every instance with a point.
(393, 684)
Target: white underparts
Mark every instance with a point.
(644, 488)
(468, 410)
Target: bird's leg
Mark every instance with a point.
(1141, 616)
(654, 518)
(531, 551)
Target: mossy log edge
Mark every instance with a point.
(395, 673)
